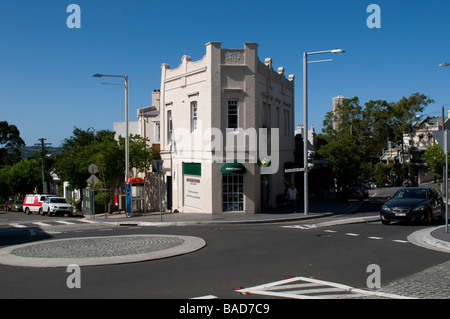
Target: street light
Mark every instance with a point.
(446, 164)
(305, 118)
(127, 148)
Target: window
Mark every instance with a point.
(264, 114)
(278, 117)
(233, 192)
(169, 126)
(156, 132)
(286, 123)
(193, 116)
(233, 114)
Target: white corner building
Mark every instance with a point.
(226, 132)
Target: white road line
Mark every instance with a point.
(206, 297)
(274, 289)
(315, 291)
(330, 231)
(41, 224)
(301, 226)
(376, 238)
(352, 234)
(401, 241)
(307, 285)
(17, 225)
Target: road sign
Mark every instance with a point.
(293, 170)
(440, 137)
(93, 169)
(319, 161)
(93, 180)
(158, 165)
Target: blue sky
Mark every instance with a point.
(46, 87)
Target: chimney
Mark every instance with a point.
(155, 98)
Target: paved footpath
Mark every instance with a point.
(431, 283)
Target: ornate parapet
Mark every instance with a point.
(233, 57)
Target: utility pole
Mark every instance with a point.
(43, 152)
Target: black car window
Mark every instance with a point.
(58, 200)
(411, 193)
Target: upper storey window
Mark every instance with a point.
(233, 114)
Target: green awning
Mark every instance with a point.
(230, 168)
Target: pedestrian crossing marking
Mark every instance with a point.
(49, 224)
(64, 222)
(88, 221)
(41, 224)
(17, 225)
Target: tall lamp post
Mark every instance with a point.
(446, 166)
(127, 147)
(305, 118)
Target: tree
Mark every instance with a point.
(435, 158)
(10, 143)
(370, 127)
(344, 157)
(141, 156)
(85, 148)
(79, 139)
(404, 114)
(101, 148)
(21, 178)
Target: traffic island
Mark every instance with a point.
(92, 251)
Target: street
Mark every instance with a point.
(237, 257)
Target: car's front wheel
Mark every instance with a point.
(384, 220)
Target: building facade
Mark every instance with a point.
(148, 119)
(336, 101)
(226, 131)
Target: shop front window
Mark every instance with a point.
(233, 192)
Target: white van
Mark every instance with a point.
(33, 203)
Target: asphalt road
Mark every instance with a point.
(241, 256)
